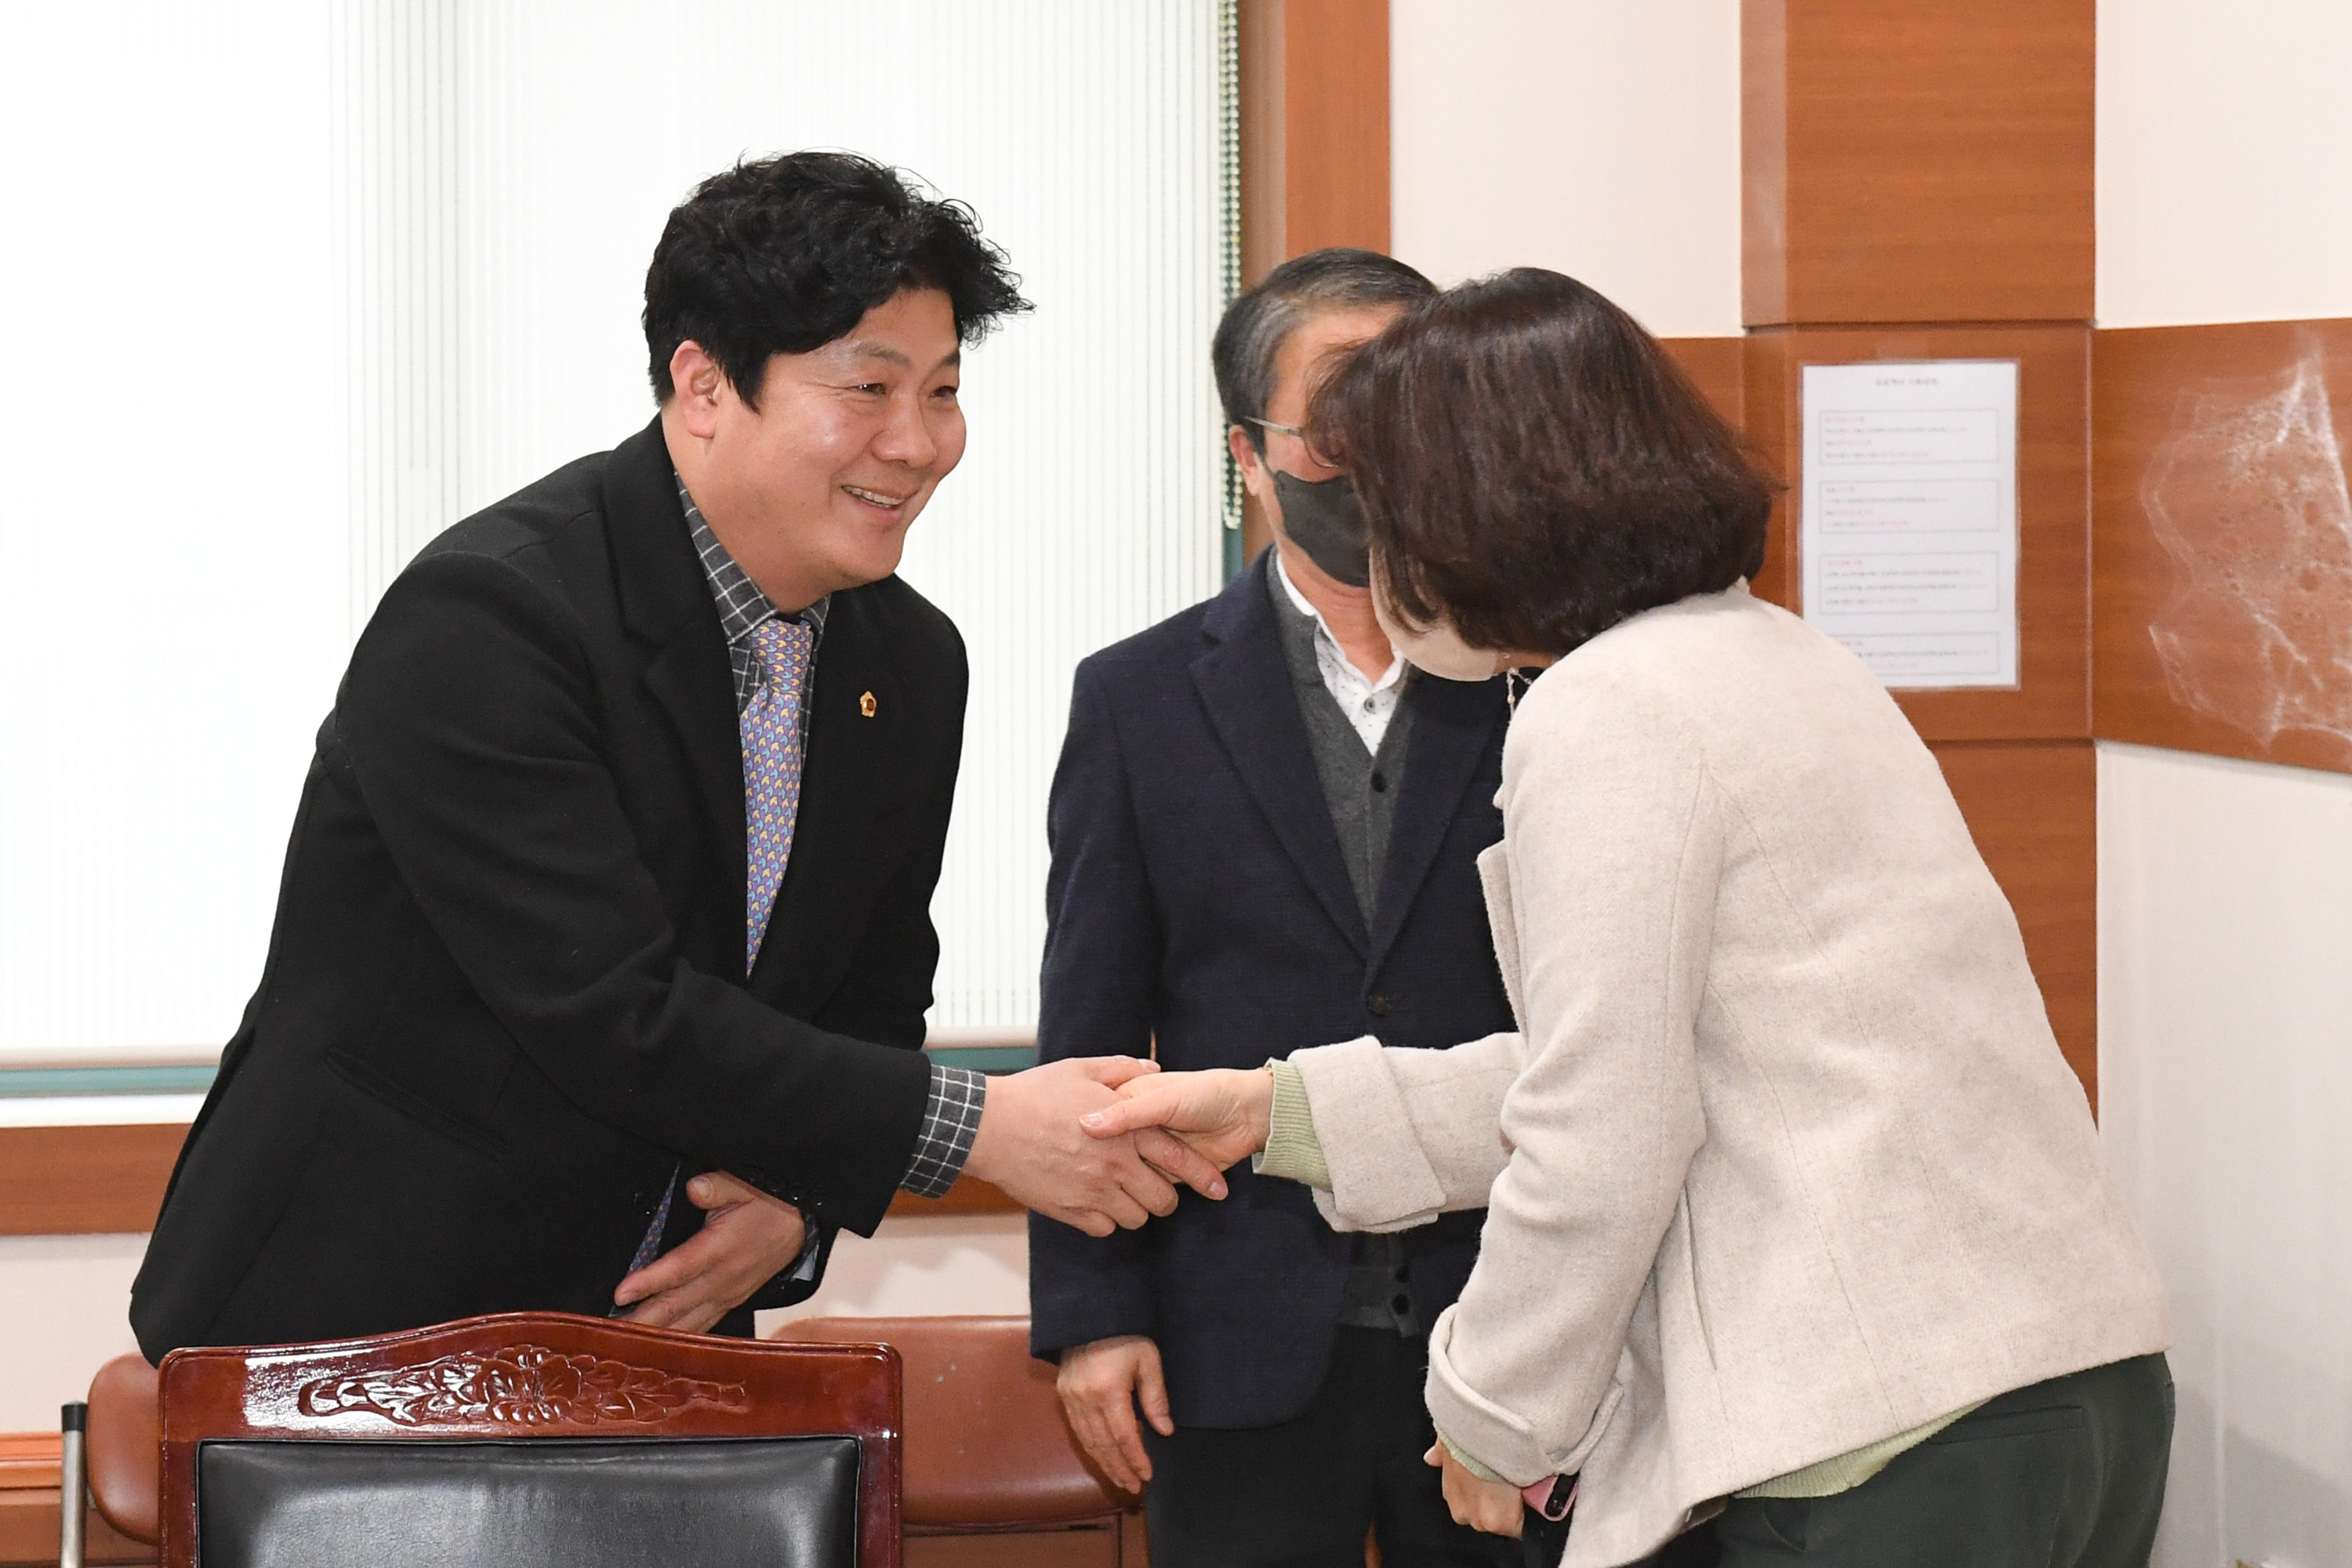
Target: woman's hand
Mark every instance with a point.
(1221, 1114)
(1494, 1507)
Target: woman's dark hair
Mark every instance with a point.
(1534, 469)
(786, 254)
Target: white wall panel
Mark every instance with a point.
(2225, 1089)
(2224, 158)
(175, 554)
(1594, 137)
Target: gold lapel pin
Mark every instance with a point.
(866, 705)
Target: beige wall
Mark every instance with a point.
(65, 1303)
(1594, 137)
(975, 1264)
(2225, 888)
(2224, 162)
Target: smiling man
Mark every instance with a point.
(603, 941)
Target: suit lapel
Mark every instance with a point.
(666, 603)
(847, 785)
(1244, 687)
(1453, 725)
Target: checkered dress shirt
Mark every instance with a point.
(952, 1115)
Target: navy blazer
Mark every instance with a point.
(1198, 899)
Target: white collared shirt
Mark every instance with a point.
(1368, 704)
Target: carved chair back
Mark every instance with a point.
(537, 1436)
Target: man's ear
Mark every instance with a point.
(696, 382)
(1245, 457)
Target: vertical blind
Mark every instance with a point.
(293, 286)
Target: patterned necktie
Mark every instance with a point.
(772, 749)
(771, 726)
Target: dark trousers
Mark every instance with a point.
(1303, 1494)
(2064, 1474)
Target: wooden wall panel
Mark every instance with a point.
(75, 1181)
(1717, 367)
(1334, 114)
(1315, 143)
(1314, 128)
(1917, 163)
(2033, 810)
(1263, 164)
(2222, 540)
(71, 1181)
(2053, 699)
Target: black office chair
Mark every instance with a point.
(532, 1440)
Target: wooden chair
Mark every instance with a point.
(993, 1477)
(527, 1438)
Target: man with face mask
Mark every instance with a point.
(1264, 829)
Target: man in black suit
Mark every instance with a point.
(1264, 833)
(603, 948)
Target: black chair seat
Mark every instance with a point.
(542, 1502)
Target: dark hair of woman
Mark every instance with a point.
(785, 254)
(1534, 469)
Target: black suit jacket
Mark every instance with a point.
(1197, 898)
(505, 995)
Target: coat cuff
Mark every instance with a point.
(1503, 1441)
(1380, 1179)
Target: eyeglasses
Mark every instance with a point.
(1312, 452)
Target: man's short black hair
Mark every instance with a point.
(1257, 323)
(785, 254)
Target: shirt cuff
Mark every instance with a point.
(1292, 1150)
(951, 1120)
(803, 1267)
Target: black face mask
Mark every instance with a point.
(1325, 518)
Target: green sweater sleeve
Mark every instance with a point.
(1292, 1149)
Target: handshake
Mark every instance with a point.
(1103, 1142)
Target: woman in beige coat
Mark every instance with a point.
(1798, 1230)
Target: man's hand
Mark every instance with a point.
(1099, 1384)
(1222, 1115)
(1029, 1143)
(747, 1240)
(1495, 1506)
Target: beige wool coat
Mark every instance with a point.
(1785, 1160)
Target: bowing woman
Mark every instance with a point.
(1799, 1234)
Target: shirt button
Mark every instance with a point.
(1402, 1304)
(1380, 783)
(1379, 1003)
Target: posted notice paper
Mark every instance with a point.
(1909, 535)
